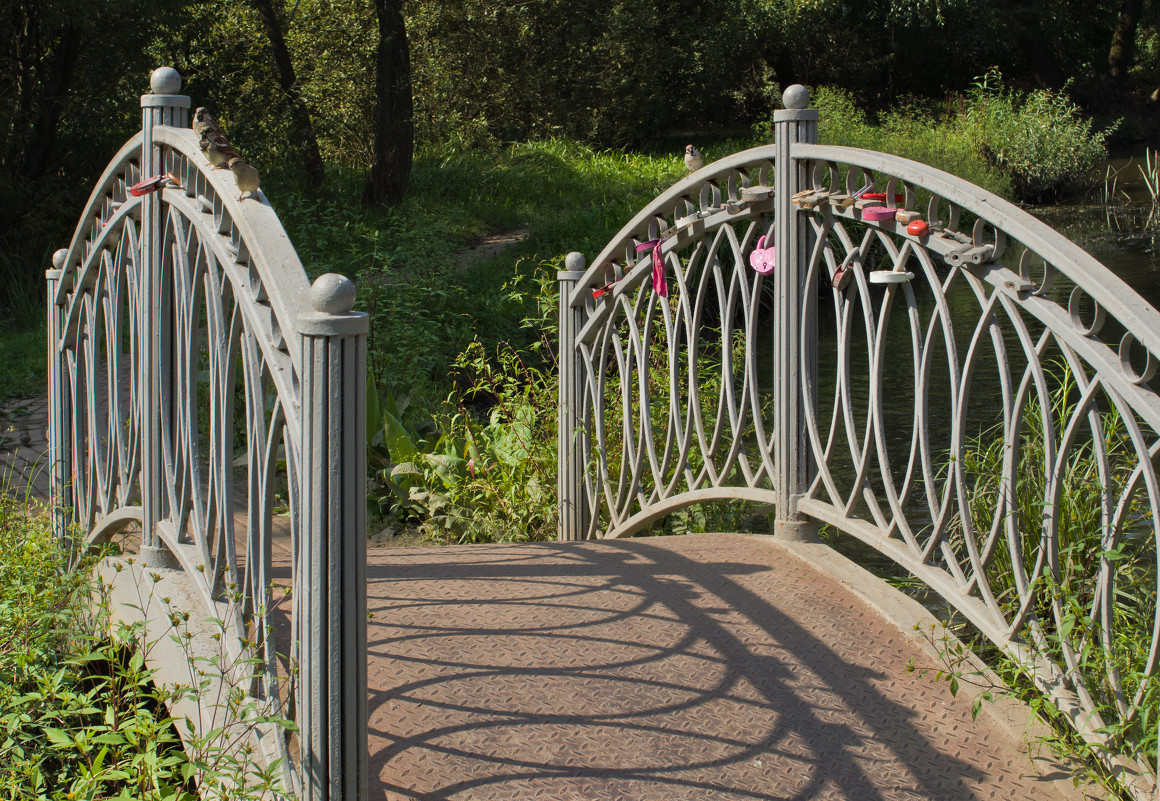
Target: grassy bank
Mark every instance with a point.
(78, 714)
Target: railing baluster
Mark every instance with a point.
(163, 107)
(795, 360)
(58, 402)
(572, 456)
(331, 571)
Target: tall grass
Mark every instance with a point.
(1098, 470)
(913, 133)
(426, 308)
(1032, 147)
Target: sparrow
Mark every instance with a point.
(204, 122)
(693, 158)
(246, 176)
(218, 150)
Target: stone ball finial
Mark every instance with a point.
(796, 97)
(58, 258)
(165, 81)
(332, 294)
(574, 261)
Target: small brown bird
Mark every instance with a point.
(693, 158)
(246, 176)
(204, 122)
(218, 150)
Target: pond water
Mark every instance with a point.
(1125, 237)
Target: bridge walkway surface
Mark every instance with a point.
(702, 667)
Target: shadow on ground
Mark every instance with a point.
(701, 667)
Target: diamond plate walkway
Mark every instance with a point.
(700, 667)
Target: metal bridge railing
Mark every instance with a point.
(971, 397)
(202, 389)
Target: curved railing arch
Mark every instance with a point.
(972, 401)
(203, 390)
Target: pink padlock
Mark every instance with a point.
(878, 213)
(761, 259)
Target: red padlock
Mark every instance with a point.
(845, 272)
(148, 186)
(918, 228)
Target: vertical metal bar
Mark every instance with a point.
(796, 339)
(332, 612)
(571, 456)
(57, 402)
(163, 106)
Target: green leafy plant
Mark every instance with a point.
(81, 715)
(1111, 652)
(489, 472)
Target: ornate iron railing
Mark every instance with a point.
(201, 388)
(972, 401)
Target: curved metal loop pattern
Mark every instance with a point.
(673, 396)
(231, 293)
(981, 413)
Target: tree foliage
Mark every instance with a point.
(293, 78)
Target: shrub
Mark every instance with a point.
(1040, 140)
(489, 473)
(1032, 147)
(912, 133)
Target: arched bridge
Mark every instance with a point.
(838, 337)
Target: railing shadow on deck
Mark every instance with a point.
(624, 669)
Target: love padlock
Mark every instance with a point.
(148, 186)
(842, 278)
(762, 258)
(845, 272)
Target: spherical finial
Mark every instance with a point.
(796, 96)
(574, 261)
(332, 294)
(58, 258)
(165, 81)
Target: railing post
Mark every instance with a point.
(330, 592)
(571, 453)
(796, 351)
(58, 402)
(163, 107)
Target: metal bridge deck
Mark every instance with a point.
(702, 667)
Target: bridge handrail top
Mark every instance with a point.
(270, 251)
(111, 174)
(1106, 288)
(689, 186)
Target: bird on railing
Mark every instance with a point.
(204, 123)
(218, 150)
(693, 158)
(246, 176)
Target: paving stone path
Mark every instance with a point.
(23, 447)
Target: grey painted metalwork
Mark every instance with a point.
(957, 399)
(574, 512)
(201, 387)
